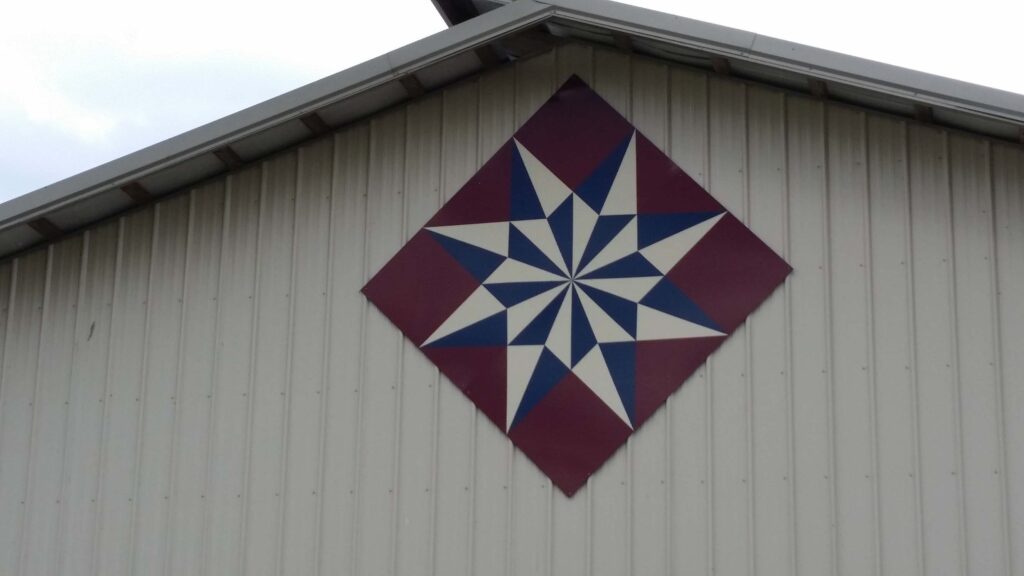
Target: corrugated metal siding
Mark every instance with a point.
(200, 388)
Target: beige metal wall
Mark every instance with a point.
(198, 388)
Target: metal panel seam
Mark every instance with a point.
(243, 531)
(140, 400)
(65, 479)
(998, 365)
(325, 367)
(98, 498)
(204, 531)
(954, 357)
(830, 410)
(178, 387)
(870, 346)
(22, 544)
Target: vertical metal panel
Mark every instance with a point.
(230, 400)
(1008, 209)
(981, 412)
(809, 324)
(728, 367)
(853, 407)
(375, 504)
(690, 511)
(50, 410)
(18, 390)
(896, 413)
(114, 495)
(85, 417)
(190, 446)
(160, 378)
(349, 312)
(769, 398)
(200, 388)
(418, 422)
(301, 461)
(935, 347)
(270, 378)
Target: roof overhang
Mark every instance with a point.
(506, 33)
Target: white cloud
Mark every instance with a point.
(32, 97)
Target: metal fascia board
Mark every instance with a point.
(287, 106)
(721, 40)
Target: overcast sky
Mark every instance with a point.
(82, 83)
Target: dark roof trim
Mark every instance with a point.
(456, 11)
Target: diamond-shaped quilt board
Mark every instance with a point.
(574, 283)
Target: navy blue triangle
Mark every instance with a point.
(561, 227)
(515, 292)
(652, 228)
(537, 331)
(594, 190)
(621, 360)
(491, 331)
(477, 261)
(524, 204)
(666, 297)
(605, 229)
(632, 266)
(546, 375)
(520, 248)
(583, 338)
(619, 309)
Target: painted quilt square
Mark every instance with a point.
(574, 283)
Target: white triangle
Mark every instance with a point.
(605, 328)
(492, 236)
(520, 364)
(666, 253)
(654, 324)
(520, 315)
(539, 232)
(551, 191)
(560, 338)
(583, 220)
(621, 246)
(632, 289)
(480, 304)
(593, 371)
(515, 271)
(622, 196)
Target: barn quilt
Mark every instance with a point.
(574, 283)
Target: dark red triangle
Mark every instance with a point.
(569, 434)
(573, 132)
(663, 187)
(485, 198)
(480, 373)
(729, 273)
(420, 287)
(663, 365)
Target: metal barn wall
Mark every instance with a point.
(199, 388)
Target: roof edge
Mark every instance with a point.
(489, 28)
(288, 106)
